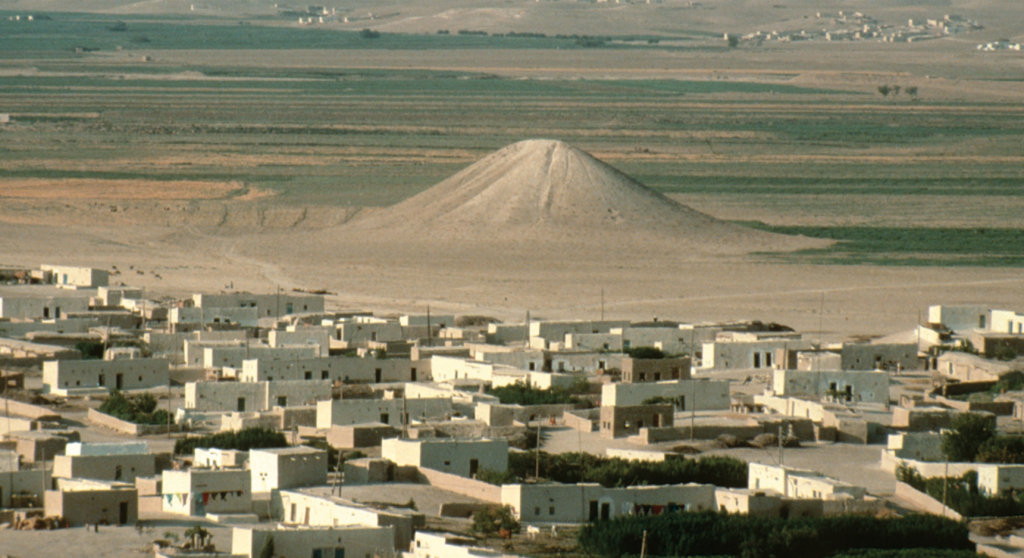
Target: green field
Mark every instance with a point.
(68, 31)
(898, 180)
(979, 247)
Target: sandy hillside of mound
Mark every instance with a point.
(546, 191)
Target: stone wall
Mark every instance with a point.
(924, 502)
(461, 485)
(114, 423)
(19, 409)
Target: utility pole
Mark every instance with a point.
(945, 485)
(430, 334)
(338, 474)
(602, 305)
(821, 318)
(781, 462)
(693, 392)
(526, 335)
(536, 472)
(405, 417)
(168, 407)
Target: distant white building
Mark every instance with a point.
(387, 411)
(266, 305)
(579, 503)
(457, 456)
(64, 377)
(68, 277)
(1000, 479)
(347, 541)
(199, 491)
(41, 307)
(960, 318)
(798, 483)
(846, 385)
(287, 468)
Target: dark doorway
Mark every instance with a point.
(593, 510)
(606, 510)
(122, 515)
(119, 381)
(474, 466)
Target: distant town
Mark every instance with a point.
(310, 432)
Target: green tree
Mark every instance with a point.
(242, 440)
(1002, 449)
(499, 478)
(522, 394)
(968, 433)
(91, 350)
(884, 90)
(139, 410)
(145, 403)
(645, 352)
(489, 520)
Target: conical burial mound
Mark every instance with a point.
(545, 191)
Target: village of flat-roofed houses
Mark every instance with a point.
(273, 420)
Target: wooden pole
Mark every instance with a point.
(536, 472)
(643, 546)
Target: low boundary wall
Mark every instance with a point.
(17, 408)
(460, 485)
(114, 423)
(928, 469)
(924, 502)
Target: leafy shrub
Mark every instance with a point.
(369, 34)
(907, 553)
(1002, 449)
(645, 352)
(243, 440)
(961, 494)
(573, 468)
(496, 477)
(139, 410)
(522, 394)
(488, 521)
(710, 533)
(966, 436)
(91, 350)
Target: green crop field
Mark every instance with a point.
(67, 31)
(979, 247)
(898, 180)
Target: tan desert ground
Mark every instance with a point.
(609, 164)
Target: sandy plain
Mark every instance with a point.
(237, 180)
(196, 233)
